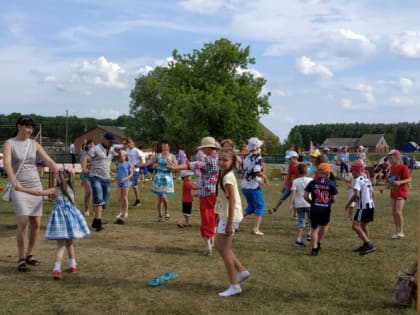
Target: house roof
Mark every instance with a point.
(340, 142)
(370, 140)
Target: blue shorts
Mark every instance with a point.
(255, 200)
(135, 181)
(126, 184)
(144, 170)
(285, 193)
(301, 213)
(101, 190)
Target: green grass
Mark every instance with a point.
(115, 265)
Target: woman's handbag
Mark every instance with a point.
(7, 192)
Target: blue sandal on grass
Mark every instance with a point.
(168, 276)
(155, 282)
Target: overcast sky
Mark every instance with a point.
(324, 60)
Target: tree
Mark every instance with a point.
(208, 92)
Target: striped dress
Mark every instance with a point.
(66, 222)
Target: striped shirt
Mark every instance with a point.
(365, 188)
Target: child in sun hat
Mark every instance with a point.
(363, 197)
(320, 193)
(253, 178)
(292, 173)
(399, 178)
(313, 156)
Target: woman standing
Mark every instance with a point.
(85, 179)
(163, 182)
(399, 178)
(20, 164)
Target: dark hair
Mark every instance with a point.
(89, 141)
(24, 121)
(232, 167)
(302, 169)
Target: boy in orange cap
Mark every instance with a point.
(363, 196)
(320, 193)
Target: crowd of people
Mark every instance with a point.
(215, 167)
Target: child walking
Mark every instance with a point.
(229, 209)
(323, 193)
(187, 198)
(348, 180)
(299, 203)
(363, 194)
(125, 171)
(66, 223)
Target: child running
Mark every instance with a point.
(125, 171)
(297, 201)
(363, 194)
(229, 209)
(66, 222)
(187, 198)
(320, 193)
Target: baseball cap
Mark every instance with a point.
(394, 152)
(315, 153)
(324, 168)
(291, 154)
(109, 136)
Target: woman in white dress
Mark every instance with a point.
(20, 155)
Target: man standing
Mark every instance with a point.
(100, 157)
(72, 151)
(135, 157)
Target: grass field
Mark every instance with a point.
(115, 265)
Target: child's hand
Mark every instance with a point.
(228, 230)
(50, 191)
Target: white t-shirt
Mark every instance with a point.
(365, 188)
(299, 185)
(222, 203)
(134, 156)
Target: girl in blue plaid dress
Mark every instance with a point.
(66, 222)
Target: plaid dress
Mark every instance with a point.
(66, 221)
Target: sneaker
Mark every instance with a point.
(395, 236)
(400, 235)
(368, 248)
(257, 232)
(358, 249)
(137, 203)
(299, 244)
(86, 213)
(73, 269)
(314, 252)
(308, 237)
(233, 290)
(242, 275)
(56, 275)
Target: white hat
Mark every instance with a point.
(1, 154)
(291, 154)
(186, 173)
(254, 143)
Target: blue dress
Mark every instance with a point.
(66, 222)
(163, 181)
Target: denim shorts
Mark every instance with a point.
(301, 213)
(135, 181)
(101, 190)
(285, 193)
(255, 200)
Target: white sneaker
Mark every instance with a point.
(242, 275)
(233, 290)
(86, 213)
(400, 235)
(257, 232)
(395, 236)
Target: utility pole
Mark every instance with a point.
(67, 127)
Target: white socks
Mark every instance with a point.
(242, 275)
(72, 263)
(233, 290)
(57, 266)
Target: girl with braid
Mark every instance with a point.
(66, 222)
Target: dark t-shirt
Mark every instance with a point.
(321, 190)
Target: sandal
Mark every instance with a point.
(22, 265)
(32, 261)
(272, 210)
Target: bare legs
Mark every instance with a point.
(397, 206)
(22, 226)
(163, 205)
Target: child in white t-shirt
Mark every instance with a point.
(299, 203)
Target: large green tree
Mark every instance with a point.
(207, 92)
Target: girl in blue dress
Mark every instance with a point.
(125, 171)
(163, 181)
(66, 222)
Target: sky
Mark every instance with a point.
(325, 61)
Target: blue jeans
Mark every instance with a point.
(301, 212)
(101, 190)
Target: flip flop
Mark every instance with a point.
(168, 276)
(155, 282)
